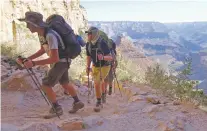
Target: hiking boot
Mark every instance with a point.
(76, 107)
(98, 107)
(103, 97)
(53, 113)
(110, 91)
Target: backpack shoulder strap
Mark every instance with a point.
(59, 39)
(99, 44)
(89, 48)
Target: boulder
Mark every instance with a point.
(20, 80)
(72, 125)
(152, 99)
(176, 102)
(136, 98)
(4, 72)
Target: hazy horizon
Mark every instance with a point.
(152, 21)
(149, 10)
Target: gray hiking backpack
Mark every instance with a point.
(72, 47)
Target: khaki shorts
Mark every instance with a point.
(110, 76)
(96, 72)
(57, 73)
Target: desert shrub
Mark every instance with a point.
(178, 87)
(9, 49)
(128, 71)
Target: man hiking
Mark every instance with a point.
(110, 76)
(50, 44)
(98, 51)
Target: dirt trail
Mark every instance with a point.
(22, 110)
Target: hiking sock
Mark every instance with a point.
(110, 88)
(55, 105)
(103, 97)
(98, 100)
(76, 99)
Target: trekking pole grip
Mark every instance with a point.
(23, 61)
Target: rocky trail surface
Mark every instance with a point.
(139, 109)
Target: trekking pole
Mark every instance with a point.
(100, 85)
(117, 82)
(114, 81)
(100, 76)
(107, 85)
(113, 56)
(37, 83)
(89, 90)
(38, 86)
(93, 87)
(114, 87)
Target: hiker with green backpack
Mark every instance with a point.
(98, 52)
(110, 77)
(58, 41)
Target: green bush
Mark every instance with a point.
(9, 49)
(176, 87)
(128, 71)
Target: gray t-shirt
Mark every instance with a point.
(50, 43)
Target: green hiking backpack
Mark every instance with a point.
(109, 42)
(103, 36)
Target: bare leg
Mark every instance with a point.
(56, 109)
(70, 88)
(50, 93)
(98, 89)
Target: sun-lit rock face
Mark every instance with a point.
(14, 30)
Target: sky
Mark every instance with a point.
(165, 11)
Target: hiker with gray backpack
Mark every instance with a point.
(58, 40)
(110, 77)
(98, 52)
